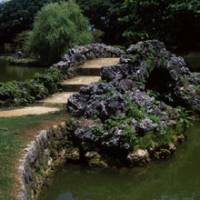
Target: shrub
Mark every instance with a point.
(58, 27)
(22, 93)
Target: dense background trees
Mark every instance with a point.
(17, 16)
(176, 22)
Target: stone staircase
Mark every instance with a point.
(88, 73)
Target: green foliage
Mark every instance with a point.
(130, 135)
(184, 119)
(148, 141)
(104, 15)
(165, 136)
(98, 130)
(198, 90)
(153, 93)
(22, 93)
(18, 61)
(58, 27)
(133, 110)
(17, 16)
(117, 121)
(14, 135)
(176, 22)
(20, 39)
(154, 118)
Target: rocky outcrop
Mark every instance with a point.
(17, 93)
(80, 54)
(136, 105)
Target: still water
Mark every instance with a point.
(175, 179)
(193, 60)
(11, 72)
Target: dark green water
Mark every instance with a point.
(193, 60)
(11, 72)
(175, 179)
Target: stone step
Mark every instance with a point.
(74, 84)
(57, 99)
(30, 110)
(93, 67)
(99, 62)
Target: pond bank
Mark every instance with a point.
(15, 134)
(176, 178)
(52, 149)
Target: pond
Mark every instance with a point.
(10, 72)
(175, 179)
(193, 59)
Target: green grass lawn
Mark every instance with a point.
(13, 138)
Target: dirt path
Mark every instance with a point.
(88, 73)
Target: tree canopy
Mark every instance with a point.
(176, 22)
(58, 27)
(17, 16)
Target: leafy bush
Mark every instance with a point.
(58, 27)
(23, 93)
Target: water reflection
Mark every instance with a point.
(193, 60)
(66, 196)
(11, 72)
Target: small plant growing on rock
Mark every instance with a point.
(134, 110)
(184, 118)
(116, 122)
(153, 93)
(98, 130)
(154, 118)
(130, 135)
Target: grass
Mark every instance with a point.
(15, 133)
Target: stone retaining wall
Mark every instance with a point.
(41, 157)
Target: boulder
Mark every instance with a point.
(139, 157)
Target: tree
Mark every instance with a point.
(103, 15)
(176, 22)
(58, 27)
(17, 16)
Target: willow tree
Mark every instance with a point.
(58, 27)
